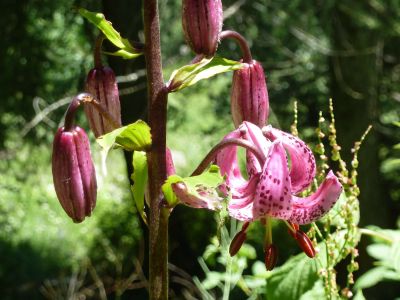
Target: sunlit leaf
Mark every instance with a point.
(290, 281)
(123, 53)
(127, 50)
(190, 74)
(372, 277)
(139, 178)
(133, 137)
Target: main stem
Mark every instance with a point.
(157, 103)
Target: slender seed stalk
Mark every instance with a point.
(97, 51)
(227, 143)
(157, 103)
(244, 46)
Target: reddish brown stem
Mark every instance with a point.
(157, 102)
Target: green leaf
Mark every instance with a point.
(123, 53)
(111, 34)
(139, 177)
(316, 293)
(371, 278)
(168, 191)
(390, 165)
(379, 251)
(290, 281)
(133, 137)
(202, 187)
(190, 74)
(359, 296)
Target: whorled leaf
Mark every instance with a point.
(190, 74)
(139, 178)
(128, 51)
(133, 137)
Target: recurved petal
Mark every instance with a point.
(302, 170)
(273, 196)
(228, 163)
(254, 134)
(311, 208)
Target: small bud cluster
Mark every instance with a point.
(73, 170)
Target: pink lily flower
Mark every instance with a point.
(272, 184)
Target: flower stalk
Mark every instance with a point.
(157, 103)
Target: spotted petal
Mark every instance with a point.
(273, 196)
(302, 159)
(313, 207)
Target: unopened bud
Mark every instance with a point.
(73, 173)
(202, 24)
(101, 83)
(271, 257)
(237, 243)
(249, 97)
(305, 243)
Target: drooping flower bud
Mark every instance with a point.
(202, 24)
(73, 173)
(305, 243)
(249, 97)
(101, 83)
(271, 257)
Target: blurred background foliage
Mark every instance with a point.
(311, 51)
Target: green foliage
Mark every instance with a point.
(295, 278)
(139, 178)
(190, 74)
(386, 251)
(126, 50)
(133, 137)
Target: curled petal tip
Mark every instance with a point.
(315, 206)
(302, 170)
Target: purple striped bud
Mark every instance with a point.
(73, 173)
(249, 97)
(101, 83)
(202, 24)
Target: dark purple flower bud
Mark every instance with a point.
(271, 257)
(249, 97)
(202, 24)
(101, 83)
(237, 242)
(305, 243)
(73, 173)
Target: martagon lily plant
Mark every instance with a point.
(279, 166)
